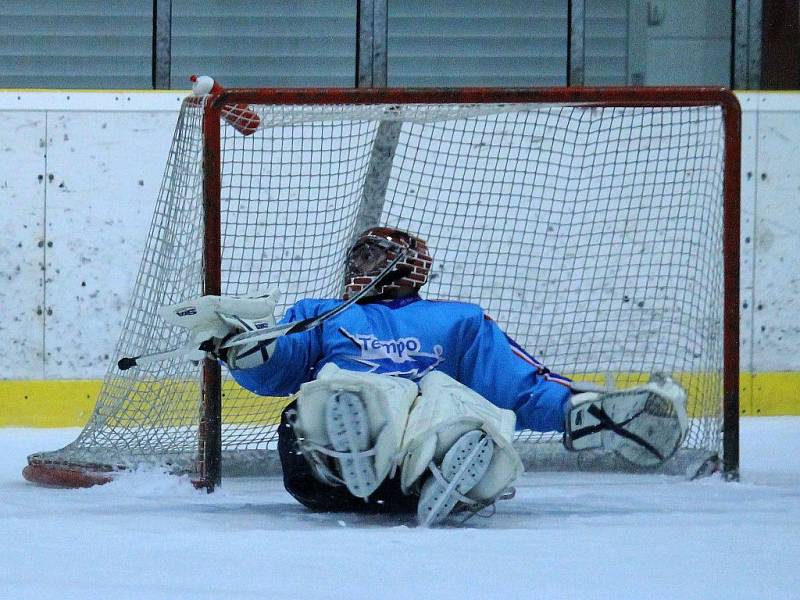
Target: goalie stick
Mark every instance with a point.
(387, 276)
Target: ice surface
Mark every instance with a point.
(581, 536)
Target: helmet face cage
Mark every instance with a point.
(374, 250)
(369, 256)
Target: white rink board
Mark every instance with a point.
(99, 206)
(78, 183)
(776, 275)
(98, 220)
(22, 244)
(747, 234)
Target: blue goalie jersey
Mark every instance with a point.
(408, 338)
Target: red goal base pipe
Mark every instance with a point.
(60, 476)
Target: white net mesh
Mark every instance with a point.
(593, 235)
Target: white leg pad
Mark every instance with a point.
(357, 418)
(442, 418)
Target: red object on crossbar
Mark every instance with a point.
(239, 116)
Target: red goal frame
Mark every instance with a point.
(210, 433)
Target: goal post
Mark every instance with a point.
(598, 226)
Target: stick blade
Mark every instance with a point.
(126, 362)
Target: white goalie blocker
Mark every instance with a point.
(213, 318)
(645, 425)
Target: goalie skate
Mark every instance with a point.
(463, 466)
(457, 450)
(348, 429)
(350, 425)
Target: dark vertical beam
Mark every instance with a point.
(747, 44)
(380, 44)
(162, 44)
(780, 54)
(210, 434)
(371, 43)
(576, 42)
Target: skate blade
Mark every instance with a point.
(464, 465)
(347, 426)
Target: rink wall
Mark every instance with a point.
(79, 174)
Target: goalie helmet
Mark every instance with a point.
(374, 250)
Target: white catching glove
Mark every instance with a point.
(644, 424)
(212, 319)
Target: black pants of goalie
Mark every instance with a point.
(299, 481)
